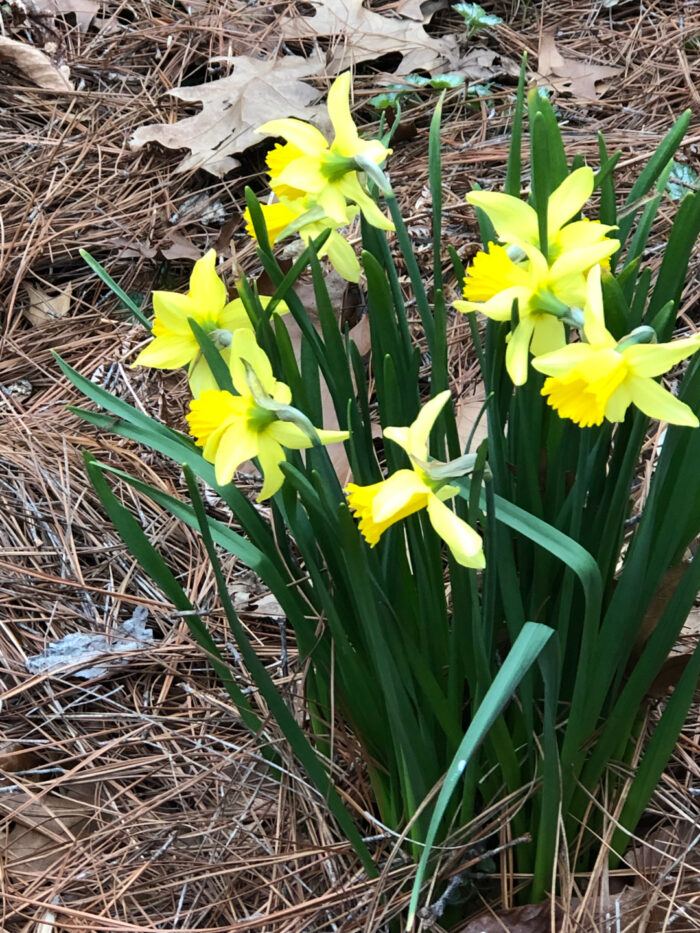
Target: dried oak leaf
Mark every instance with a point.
(233, 107)
(571, 75)
(83, 10)
(360, 35)
(35, 65)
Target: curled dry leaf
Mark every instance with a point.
(571, 75)
(43, 307)
(233, 108)
(360, 35)
(83, 10)
(35, 65)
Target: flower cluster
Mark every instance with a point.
(318, 184)
(547, 288)
(259, 421)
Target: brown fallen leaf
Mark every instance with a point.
(233, 108)
(480, 65)
(361, 35)
(43, 826)
(468, 409)
(43, 307)
(530, 918)
(83, 10)
(571, 75)
(35, 65)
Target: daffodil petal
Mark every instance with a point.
(579, 260)
(303, 173)
(301, 134)
(338, 102)
(234, 316)
(245, 347)
(617, 404)
(334, 205)
(654, 359)
(594, 327)
(466, 545)
(581, 233)
(400, 436)
(569, 198)
(270, 454)
(548, 336)
(206, 288)
(562, 361)
(500, 307)
(512, 218)
(200, 376)
(518, 351)
(352, 189)
(289, 435)
(173, 310)
(658, 402)
(237, 445)
(400, 495)
(342, 257)
(423, 425)
(169, 352)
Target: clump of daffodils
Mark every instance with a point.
(544, 281)
(319, 185)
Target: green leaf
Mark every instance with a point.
(117, 289)
(683, 180)
(521, 657)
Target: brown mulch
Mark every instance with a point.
(135, 800)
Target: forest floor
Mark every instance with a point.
(132, 799)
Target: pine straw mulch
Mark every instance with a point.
(134, 800)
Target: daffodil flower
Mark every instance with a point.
(175, 345)
(515, 222)
(543, 292)
(280, 215)
(327, 173)
(603, 377)
(258, 422)
(382, 504)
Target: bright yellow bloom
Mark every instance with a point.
(279, 215)
(234, 428)
(494, 282)
(326, 174)
(174, 343)
(515, 222)
(407, 491)
(602, 378)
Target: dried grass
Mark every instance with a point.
(178, 823)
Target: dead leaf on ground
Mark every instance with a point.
(233, 108)
(35, 65)
(83, 10)
(530, 918)
(43, 307)
(39, 827)
(362, 35)
(468, 410)
(571, 75)
(481, 65)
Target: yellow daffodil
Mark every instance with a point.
(603, 377)
(407, 491)
(280, 215)
(515, 222)
(543, 293)
(234, 428)
(326, 173)
(174, 343)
